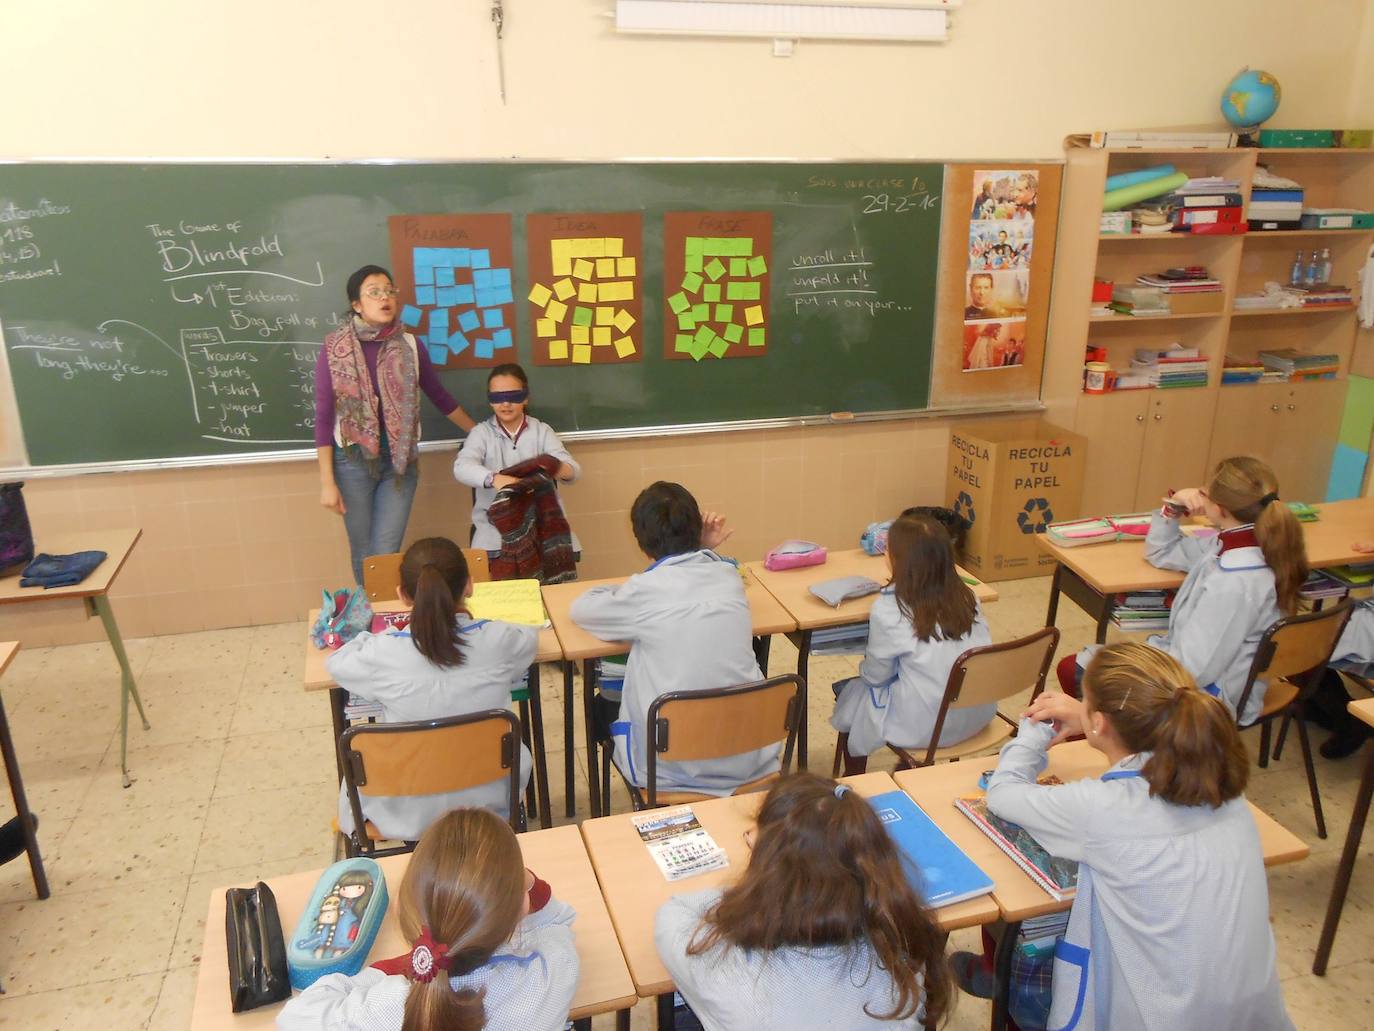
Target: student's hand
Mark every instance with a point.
(713, 530)
(565, 472)
(1363, 547)
(331, 499)
(1065, 712)
(1192, 498)
(501, 482)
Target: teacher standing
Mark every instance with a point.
(368, 380)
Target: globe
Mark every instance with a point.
(1250, 98)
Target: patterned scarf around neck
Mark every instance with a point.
(355, 403)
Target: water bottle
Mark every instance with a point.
(1298, 273)
(1326, 266)
(1314, 270)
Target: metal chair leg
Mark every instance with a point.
(1283, 735)
(1264, 745)
(1311, 777)
(841, 743)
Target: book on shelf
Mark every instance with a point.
(1059, 877)
(1172, 353)
(1300, 364)
(1179, 286)
(935, 866)
(1241, 370)
(1140, 139)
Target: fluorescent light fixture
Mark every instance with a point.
(914, 21)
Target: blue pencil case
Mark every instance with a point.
(340, 922)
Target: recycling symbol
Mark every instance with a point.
(1029, 521)
(963, 506)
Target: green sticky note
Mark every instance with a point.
(757, 266)
(749, 291)
(719, 346)
(694, 263)
(679, 303)
(698, 351)
(696, 244)
(725, 313)
(757, 337)
(735, 291)
(701, 312)
(715, 269)
(691, 282)
(683, 344)
(582, 316)
(705, 333)
(711, 293)
(711, 245)
(686, 321)
(739, 267)
(734, 333)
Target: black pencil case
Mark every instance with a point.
(258, 974)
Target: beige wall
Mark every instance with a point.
(417, 80)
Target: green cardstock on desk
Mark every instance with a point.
(757, 266)
(679, 303)
(582, 316)
(715, 269)
(734, 333)
(719, 346)
(756, 337)
(691, 282)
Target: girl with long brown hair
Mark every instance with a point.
(442, 663)
(490, 947)
(1170, 923)
(821, 930)
(920, 623)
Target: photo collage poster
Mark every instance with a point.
(997, 284)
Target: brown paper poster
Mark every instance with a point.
(717, 270)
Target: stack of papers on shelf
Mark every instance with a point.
(840, 640)
(1139, 139)
(1241, 370)
(1177, 366)
(1328, 294)
(1300, 365)
(1139, 300)
(1142, 610)
(1182, 281)
(1274, 297)
(1275, 202)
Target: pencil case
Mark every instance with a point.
(340, 922)
(258, 973)
(794, 555)
(874, 538)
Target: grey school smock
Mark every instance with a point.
(1170, 925)
(1221, 611)
(687, 622)
(731, 989)
(896, 696)
(1355, 650)
(389, 669)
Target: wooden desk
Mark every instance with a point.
(635, 889)
(94, 592)
(556, 855)
(1018, 897)
(1363, 710)
(1091, 574)
(317, 678)
(792, 587)
(8, 650)
(767, 617)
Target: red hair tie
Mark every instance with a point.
(427, 957)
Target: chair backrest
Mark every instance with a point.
(714, 724)
(382, 573)
(1297, 648)
(985, 675)
(431, 756)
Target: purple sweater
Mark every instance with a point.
(324, 388)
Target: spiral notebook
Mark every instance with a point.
(1057, 876)
(935, 865)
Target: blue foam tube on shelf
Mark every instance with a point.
(1140, 175)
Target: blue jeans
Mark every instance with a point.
(377, 507)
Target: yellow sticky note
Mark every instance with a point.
(601, 336)
(540, 294)
(617, 291)
(563, 289)
(596, 247)
(581, 334)
(582, 354)
(623, 320)
(753, 314)
(545, 327)
(562, 266)
(556, 310)
(587, 293)
(561, 248)
(605, 316)
(576, 248)
(582, 269)
(605, 268)
(614, 246)
(558, 350)
(624, 347)
(625, 267)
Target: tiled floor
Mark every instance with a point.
(235, 782)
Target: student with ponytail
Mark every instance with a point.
(443, 663)
(1239, 581)
(491, 948)
(822, 928)
(1170, 925)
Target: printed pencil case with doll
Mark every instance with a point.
(340, 922)
(794, 555)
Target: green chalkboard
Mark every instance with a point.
(158, 311)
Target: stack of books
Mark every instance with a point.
(1139, 300)
(1319, 586)
(1187, 291)
(1326, 295)
(1275, 202)
(1241, 370)
(1151, 219)
(1274, 298)
(1359, 574)
(1175, 367)
(1075, 533)
(1208, 205)
(840, 640)
(1142, 610)
(1297, 366)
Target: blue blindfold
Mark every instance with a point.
(511, 397)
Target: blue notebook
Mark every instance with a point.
(936, 867)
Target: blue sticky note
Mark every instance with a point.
(459, 257)
(486, 298)
(443, 275)
(438, 355)
(481, 278)
(493, 318)
(438, 325)
(446, 296)
(500, 277)
(424, 275)
(482, 348)
(502, 338)
(423, 257)
(457, 343)
(410, 316)
(465, 294)
(468, 321)
(424, 295)
(501, 295)
(481, 259)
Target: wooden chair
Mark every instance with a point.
(382, 573)
(978, 677)
(425, 758)
(697, 725)
(1292, 656)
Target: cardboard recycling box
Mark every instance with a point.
(1011, 479)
